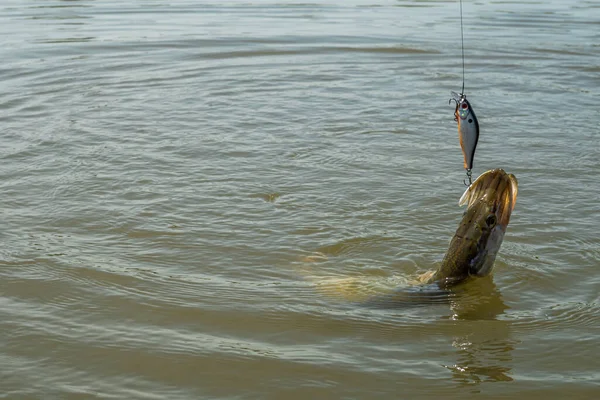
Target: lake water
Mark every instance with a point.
(194, 191)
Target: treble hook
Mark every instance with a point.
(456, 98)
(468, 176)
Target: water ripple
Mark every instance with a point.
(194, 192)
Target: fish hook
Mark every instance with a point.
(456, 108)
(468, 176)
(457, 98)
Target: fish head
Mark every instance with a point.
(490, 201)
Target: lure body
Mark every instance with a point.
(468, 128)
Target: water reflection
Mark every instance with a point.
(484, 346)
(478, 299)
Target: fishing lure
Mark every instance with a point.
(468, 130)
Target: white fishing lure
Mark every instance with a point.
(468, 129)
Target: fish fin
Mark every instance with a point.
(466, 197)
(425, 277)
(515, 188)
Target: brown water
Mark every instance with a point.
(168, 166)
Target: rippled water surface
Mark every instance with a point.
(194, 192)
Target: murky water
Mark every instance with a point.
(169, 169)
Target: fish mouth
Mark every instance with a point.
(496, 189)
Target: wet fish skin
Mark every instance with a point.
(490, 201)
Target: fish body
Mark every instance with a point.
(473, 248)
(490, 201)
(468, 128)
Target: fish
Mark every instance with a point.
(490, 201)
(471, 254)
(468, 129)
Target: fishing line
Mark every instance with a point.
(464, 115)
(462, 43)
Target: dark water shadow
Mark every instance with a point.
(482, 340)
(409, 297)
(478, 299)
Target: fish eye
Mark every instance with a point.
(464, 105)
(491, 220)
